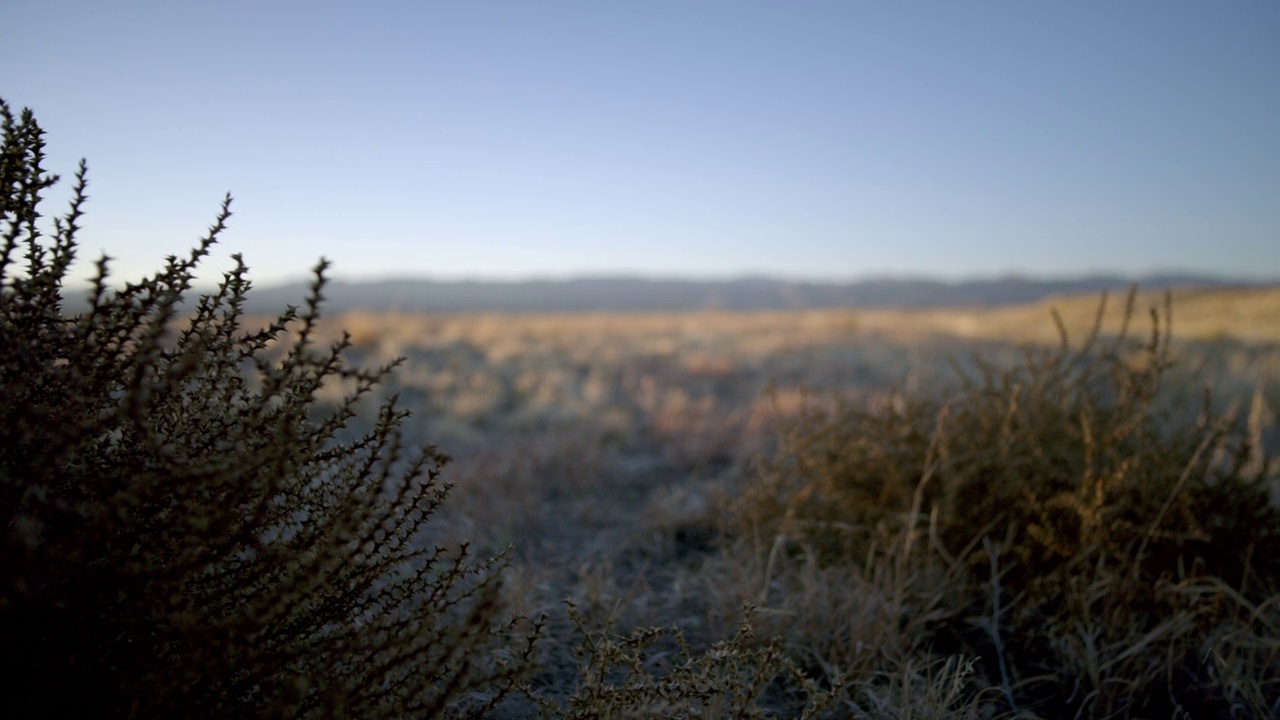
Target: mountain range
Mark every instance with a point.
(622, 294)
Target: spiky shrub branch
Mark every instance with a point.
(183, 531)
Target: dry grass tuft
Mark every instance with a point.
(1092, 549)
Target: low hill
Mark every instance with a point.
(628, 294)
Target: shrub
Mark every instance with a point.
(185, 532)
(1113, 551)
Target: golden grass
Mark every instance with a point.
(1248, 315)
(713, 343)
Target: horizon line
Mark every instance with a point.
(609, 276)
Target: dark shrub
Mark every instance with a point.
(184, 532)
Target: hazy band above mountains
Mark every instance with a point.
(608, 294)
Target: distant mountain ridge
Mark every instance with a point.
(622, 294)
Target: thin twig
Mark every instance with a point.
(993, 628)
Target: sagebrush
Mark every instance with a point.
(185, 533)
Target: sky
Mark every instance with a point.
(701, 139)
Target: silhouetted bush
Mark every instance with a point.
(184, 532)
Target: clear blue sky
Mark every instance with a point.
(824, 140)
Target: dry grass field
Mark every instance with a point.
(613, 455)
(1248, 316)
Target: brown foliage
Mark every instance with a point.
(1108, 549)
